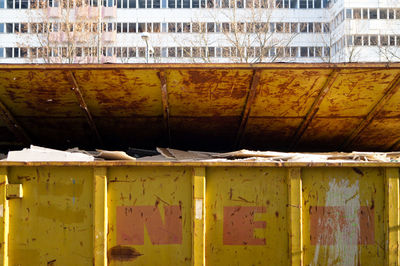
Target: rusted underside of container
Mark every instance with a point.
(296, 107)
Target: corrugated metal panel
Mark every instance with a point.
(215, 214)
(210, 106)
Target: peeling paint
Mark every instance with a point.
(347, 232)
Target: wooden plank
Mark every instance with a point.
(295, 216)
(313, 109)
(199, 213)
(164, 97)
(83, 105)
(251, 97)
(4, 217)
(389, 92)
(392, 216)
(100, 216)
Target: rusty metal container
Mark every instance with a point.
(196, 213)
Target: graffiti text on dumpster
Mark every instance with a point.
(239, 225)
(131, 221)
(327, 221)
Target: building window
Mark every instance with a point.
(9, 52)
(303, 51)
(373, 40)
(326, 28)
(373, 14)
(141, 27)
(311, 52)
(132, 27)
(9, 27)
(171, 27)
(365, 40)
(1, 52)
(357, 40)
(317, 27)
(310, 27)
(392, 41)
(383, 13)
(357, 13)
(1, 27)
(384, 40)
(349, 40)
(391, 14)
(156, 27)
(348, 13)
(2, 3)
(171, 52)
(293, 51)
(294, 27)
(365, 13)
(303, 27)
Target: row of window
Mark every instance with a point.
(365, 40)
(338, 19)
(195, 52)
(373, 40)
(173, 27)
(373, 13)
(303, 4)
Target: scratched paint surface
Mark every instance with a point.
(206, 105)
(343, 216)
(150, 214)
(54, 218)
(246, 218)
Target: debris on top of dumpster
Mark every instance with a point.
(40, 154)
(272, 156)
(184, 155)
(114, 155)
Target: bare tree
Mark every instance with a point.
(239, 34)
(256, 39)
(67, 31)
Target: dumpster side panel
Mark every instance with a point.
(179, 215)
(343, 216)
(150, 216)
(52, 223)
(246, 217)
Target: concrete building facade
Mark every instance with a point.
(195, 31)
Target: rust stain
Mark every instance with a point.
(123, 253)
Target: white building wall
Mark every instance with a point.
(338, 45)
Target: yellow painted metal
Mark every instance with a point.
(295, 217)
(4, 217)
(100, 216)
(392, 222)
(150, 216)
(210, 100)
(349, 205)
(199, 214)
(14, 191)
(246, 216)
(53, 223)
(172, 214)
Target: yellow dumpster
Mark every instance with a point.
(199, 213)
